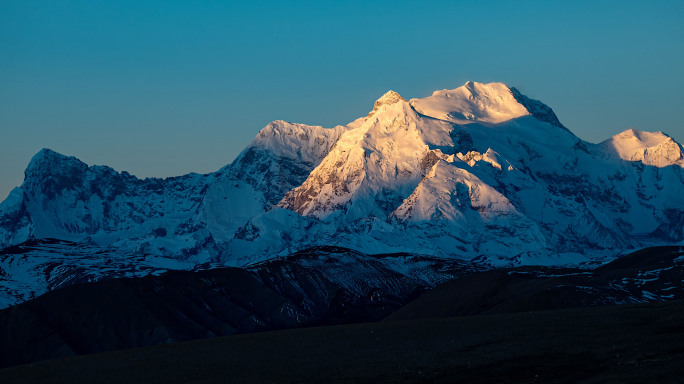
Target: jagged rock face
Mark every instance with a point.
(480, 171)
(537, 109)
(388, 98)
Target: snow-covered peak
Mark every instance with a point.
(639, 138)
(651, 148)
(307, 143)
(49, 160)
(483, 103)
(388, 98)
(51, 171)
(472, 102)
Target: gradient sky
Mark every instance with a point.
(170, 87)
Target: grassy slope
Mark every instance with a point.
(641, 343)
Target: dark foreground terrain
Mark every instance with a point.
(318, 287)
(612, 344)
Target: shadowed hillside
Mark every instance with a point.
(613, 344)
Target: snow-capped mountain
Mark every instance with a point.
(478, 172)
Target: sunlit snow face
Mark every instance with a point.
(473, 102)
(650, 148)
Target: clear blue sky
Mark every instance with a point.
(170, 87)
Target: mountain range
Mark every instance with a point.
(480, 173)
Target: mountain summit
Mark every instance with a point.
(388, 98)
(477, 172)
(472, 102)
(651, 148)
